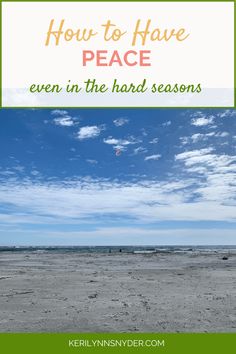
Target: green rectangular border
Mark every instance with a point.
(117, 107)
(195, 343)
(174, 343)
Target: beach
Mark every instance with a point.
(117, 292)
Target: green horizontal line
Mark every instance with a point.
(117, 1)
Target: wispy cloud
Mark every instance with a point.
(219, 172)
(212, 163)
(228, 113)
(121, 121)
(221, 134)
(92, 162)
(154, 141)
(59, 112)
(166, 124)
(198, 137)
(195, 138)
(194, 156)
(87, 199)
(121, 143)
(140, 150)
(153, 157)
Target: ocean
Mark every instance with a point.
(121, 249)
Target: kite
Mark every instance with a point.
(118, 152)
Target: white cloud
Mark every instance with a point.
(64, 121)
(195, 138)
(166, 124)
(227, 113)
(154, 141)
(146, 201)
(201, 137)
(19, 168)
(89, 132)
(152, 157)
(112, 141)
(121, 121)
(93, 162)
(219, 172)
(35, 173)
(205, 157)
(144, 133)
(121, 143)
(221, 134)
(63, 118)
(140, 150)
(210, 160)
(202, 121)
(193, 153)
(184, 140)
(59, 112)
(7, 173)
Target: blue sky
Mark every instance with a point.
(117, 177)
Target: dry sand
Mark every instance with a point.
(43, 292)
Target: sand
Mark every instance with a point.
(43, 292)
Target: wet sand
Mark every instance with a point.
(72, 292)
